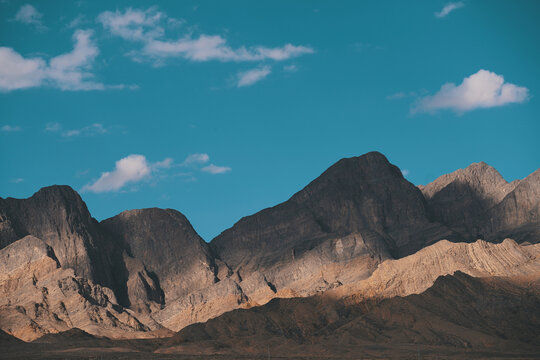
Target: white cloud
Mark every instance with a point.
(405, 172)
(28, 14)
(484, 89)
(206, 48)
(16, 180)
(448, 8)
(165, 164)
(196, 159)
(252, 76)
(130, 169)
(145, 26)
(69, 71)
(17, 72)
(133, 24)
(53, 127)
(214, 170)
(76, 22)
(90, 130)
(9, 128)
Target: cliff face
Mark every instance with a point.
(38, 296)
(58, 216)
(168, 246)
(477, 202)
(364, 194)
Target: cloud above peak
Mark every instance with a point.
(127, 170)
(484, 89)
(448, 8)
(135, 168)
(148, 28)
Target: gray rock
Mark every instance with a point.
(477, 203)
(168, 246)
(58, 216)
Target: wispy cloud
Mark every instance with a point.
(90, 130)
(76, 22)
(70, 71)
(29, 15)
(147, 28)
(215, 170)
(165, 164)
(448, 8)
(405, 172)
(10, 128)
(136, 168)
(16, 180)
(67, 71)
(196, 159)
(199, 159)
(290, 68)
(484, 89)
(252, 76)
(53, 127)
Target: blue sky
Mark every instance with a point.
(219, 109)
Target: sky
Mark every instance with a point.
(222, 108)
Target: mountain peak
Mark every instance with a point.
(482, 178)
(364, 194)
(165, 241)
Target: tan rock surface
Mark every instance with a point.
(38, 297)
(415, 273)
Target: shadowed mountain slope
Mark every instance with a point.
(355, 195)
(458, 312)
(478, 202)
(168, 246)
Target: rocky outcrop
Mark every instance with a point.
(477, 203)
(58, 216)
(38, 297)
(517, 215)
(417, 272)
(168, 246)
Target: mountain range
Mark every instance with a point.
(360, 260)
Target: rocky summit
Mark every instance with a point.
(360, 260)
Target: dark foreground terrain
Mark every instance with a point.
(459, 317)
